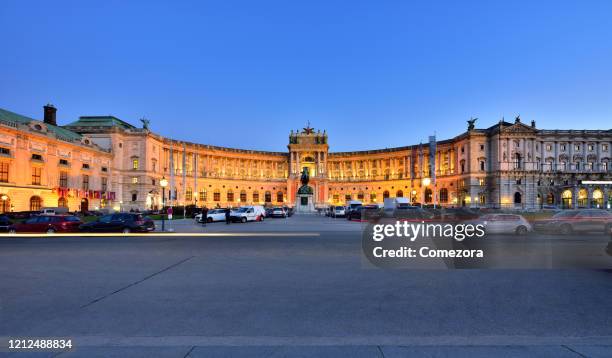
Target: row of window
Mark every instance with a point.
(230, 196)
(577, 147)
(63, 178)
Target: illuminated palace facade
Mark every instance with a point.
(103, 162)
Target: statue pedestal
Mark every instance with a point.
(304, 204)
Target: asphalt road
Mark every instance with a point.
(292, 296)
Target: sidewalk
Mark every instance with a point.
(557, 351)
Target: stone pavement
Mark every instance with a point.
(289, 296)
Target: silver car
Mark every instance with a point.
(339, 211)
(505, 224)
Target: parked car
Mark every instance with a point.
(15, 215)
(213, 215)
(5, 223)
(53, 211)
(411, 213)
(47, 223)
(503, 224)
(288, 210)
(279, 213)
(339, 211)
(355, 213)
(569, 221)
(120, 222)
(247, 213)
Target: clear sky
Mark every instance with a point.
(373, 74)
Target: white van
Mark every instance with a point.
(248, 213)
(53, 211)
(395, 203)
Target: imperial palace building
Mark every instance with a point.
(102, 162)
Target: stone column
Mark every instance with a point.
(598, 153)
(571, 153)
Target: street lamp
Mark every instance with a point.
(163, 183)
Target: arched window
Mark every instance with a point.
(35, 203)
(5, 204)
(399, 194)
(230, 195)
(598, 198)
(243, 196)
(566, 196)
(550, 199)
(583, 198)
(443, 195)
(62, 202)
(279, 197)
(347, 197)
(217, 195)
(373, 197)
(268, 197)
(385, 194)
(255, 196)
(518, 198)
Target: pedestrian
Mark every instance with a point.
(204, 215)
(227, 216)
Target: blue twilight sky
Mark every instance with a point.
(373, 74)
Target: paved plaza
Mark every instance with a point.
(291, 296)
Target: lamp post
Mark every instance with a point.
(163, 183)
(426, 182)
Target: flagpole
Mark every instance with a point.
(184, 179)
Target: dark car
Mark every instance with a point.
(569, 221)
(459, 214)
(356, 213)
(5, 223)
(412, 213)
(365, 212)
(16, 215)
(288, 210)
(47, 223)
(121, 222)
(279, 213)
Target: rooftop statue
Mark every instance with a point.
(471, 123)
(308, 129)
(145, 123)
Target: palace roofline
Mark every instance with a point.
(24, 123)
(102, 122)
